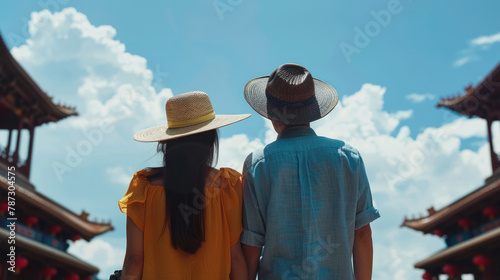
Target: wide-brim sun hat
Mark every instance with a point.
(290, 95)
(187, 114)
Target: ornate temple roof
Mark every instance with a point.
(482, 101)
(15, 81)
(462, 224)
(461, 252)
(447, 215)
(24, 106)
(53, 210)
(54, 256)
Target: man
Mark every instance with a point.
(306, 199)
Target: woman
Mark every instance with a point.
(184, 218)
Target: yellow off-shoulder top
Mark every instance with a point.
(145, 204)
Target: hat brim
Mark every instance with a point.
(326, 98)
(162, 132)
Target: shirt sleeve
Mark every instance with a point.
(365, 212)
(231, 201)
(132, 203)
(254, 226)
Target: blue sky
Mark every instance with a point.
(118, 61)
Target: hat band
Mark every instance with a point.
(209, 116)
(284, 103)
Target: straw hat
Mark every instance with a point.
(290, 95)
(188, 113)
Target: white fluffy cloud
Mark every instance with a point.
(111, 84)
(233, 150)
(417, 98)
(475, 45)
(107, 84)
(360, 116)
(99, 253)
(495, 131)
(395, 163)
(118, 175)
(486, 40)
(463, 60)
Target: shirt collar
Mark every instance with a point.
(296, 131)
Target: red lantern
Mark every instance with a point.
(465, 224)
(54, 229)
(21, 262)
(48, 272)
(491, 212)
(427, 276)
(4, 207)
(75, 237)
(439, 232)
(482, 261)
(451, 270)
(31, 221)
(72, 276)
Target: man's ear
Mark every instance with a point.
(278, 127)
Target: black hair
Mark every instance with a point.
(186, 163)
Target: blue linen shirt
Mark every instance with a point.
(303, 197)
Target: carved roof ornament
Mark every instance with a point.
(84, 215)
(29, 92)
(481, 100)
(431, 211)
